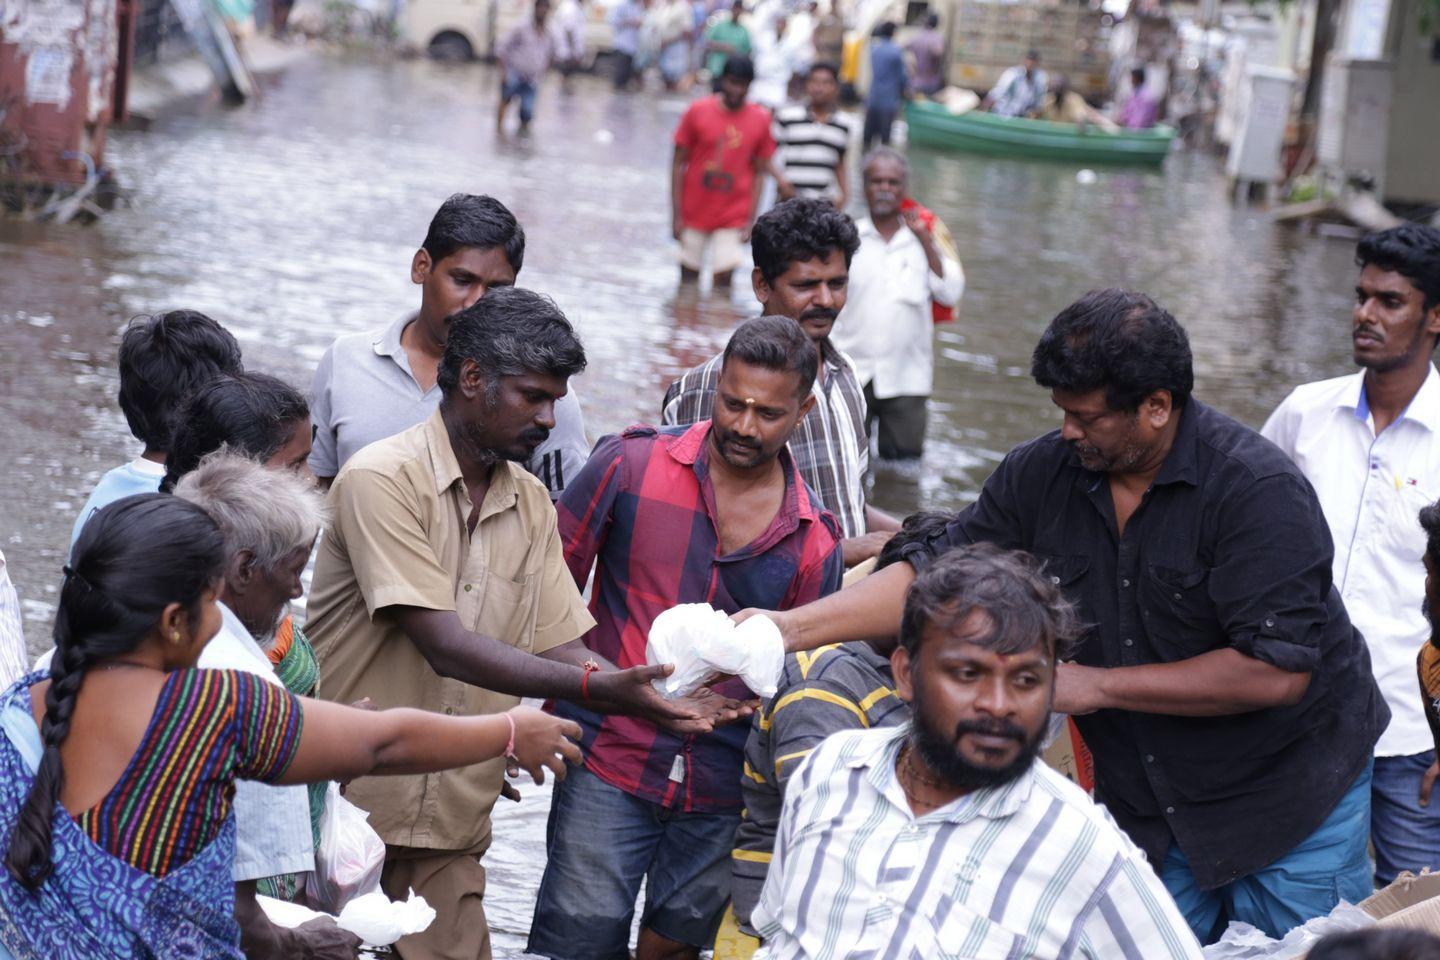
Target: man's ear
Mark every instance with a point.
(900, 666)
(420, 266)
(806, 406)
(241, 572)
(761, 287)
(1158, 408)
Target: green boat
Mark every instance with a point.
(932, 125)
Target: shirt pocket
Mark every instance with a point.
(1403, 533)
(1178, 612)
(504, 609)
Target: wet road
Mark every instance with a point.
(294, 221)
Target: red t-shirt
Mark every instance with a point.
(723, 145)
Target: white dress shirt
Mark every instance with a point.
(1027, 870)
(887, 326)
(1371, 489)
(12, 633)
(272, 835)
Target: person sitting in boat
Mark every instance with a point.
(1019, 90)
(1064, 105)
(1140, 109)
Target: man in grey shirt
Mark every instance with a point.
(370, 386)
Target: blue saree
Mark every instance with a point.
(95, 906)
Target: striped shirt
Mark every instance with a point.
(820, 692)
(208, 729)
(1029, 869)
(831, 446)
(811, 151)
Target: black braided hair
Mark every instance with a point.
(134, 557)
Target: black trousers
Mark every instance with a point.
(878, 121)
(900, 422)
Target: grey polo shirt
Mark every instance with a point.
(364, 391)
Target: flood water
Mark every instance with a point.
(294, 220)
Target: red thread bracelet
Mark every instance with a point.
(510, 747)
(590, 667)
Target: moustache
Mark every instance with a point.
(820, 313)
(991, 728)
(733, 438)
(535, 436)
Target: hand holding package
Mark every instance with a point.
(350, 856)
(702, 641)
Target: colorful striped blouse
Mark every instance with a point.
(209, 728)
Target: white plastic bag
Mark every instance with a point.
(702, 641)
(380, 921)
(350, 856)
(1243, 942)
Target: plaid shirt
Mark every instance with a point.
(831, 446)
(644, 507)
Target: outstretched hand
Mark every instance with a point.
(712, 709)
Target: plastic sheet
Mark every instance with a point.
(1243, 942)
(350, 856)
(702, 641)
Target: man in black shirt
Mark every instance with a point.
(1227, 699)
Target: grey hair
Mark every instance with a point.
(509, 332)
(1025, 608)
(886, 153)
(268, 513)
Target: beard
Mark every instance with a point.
(725, 440)
(1125, 459)
(478, 447)
(939, 750)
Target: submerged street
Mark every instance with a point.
(293, 220)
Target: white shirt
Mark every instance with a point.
(886, 326)
(1371, 489)
(272, 835)
(1031, 869)
(12, 632)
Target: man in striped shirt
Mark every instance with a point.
(802, 250)
(947, 837)
(813, 138)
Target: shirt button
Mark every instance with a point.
(1177, 596)
(1149, 758)
(469, 587)
(1269, 622)
(1124, 583)
(1055, 580)
(450, 711)
(1129, 642)
(1169, 809)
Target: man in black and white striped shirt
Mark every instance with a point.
(813, 138)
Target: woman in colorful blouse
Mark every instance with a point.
(116, 767)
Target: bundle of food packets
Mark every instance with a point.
(704, 642)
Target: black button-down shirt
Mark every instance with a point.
(1228, 548)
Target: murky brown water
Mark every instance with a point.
(295, 220)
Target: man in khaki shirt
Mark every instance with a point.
(441, 571)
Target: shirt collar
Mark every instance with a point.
(387, 341)
(502, 494)
(992, 803)
(1424, 407)
(866, 228)
(1179, 465)
(691, 449)
(148, 468)
(232, 626)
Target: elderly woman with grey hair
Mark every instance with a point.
(269, 519)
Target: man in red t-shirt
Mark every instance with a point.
(723, 148)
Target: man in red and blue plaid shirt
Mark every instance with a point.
(713, 513)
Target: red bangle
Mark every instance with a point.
(590, 666)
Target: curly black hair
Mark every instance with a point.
(801, 229)
(1119, 340)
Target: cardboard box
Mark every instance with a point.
(1069, 755)
(1411, 902)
